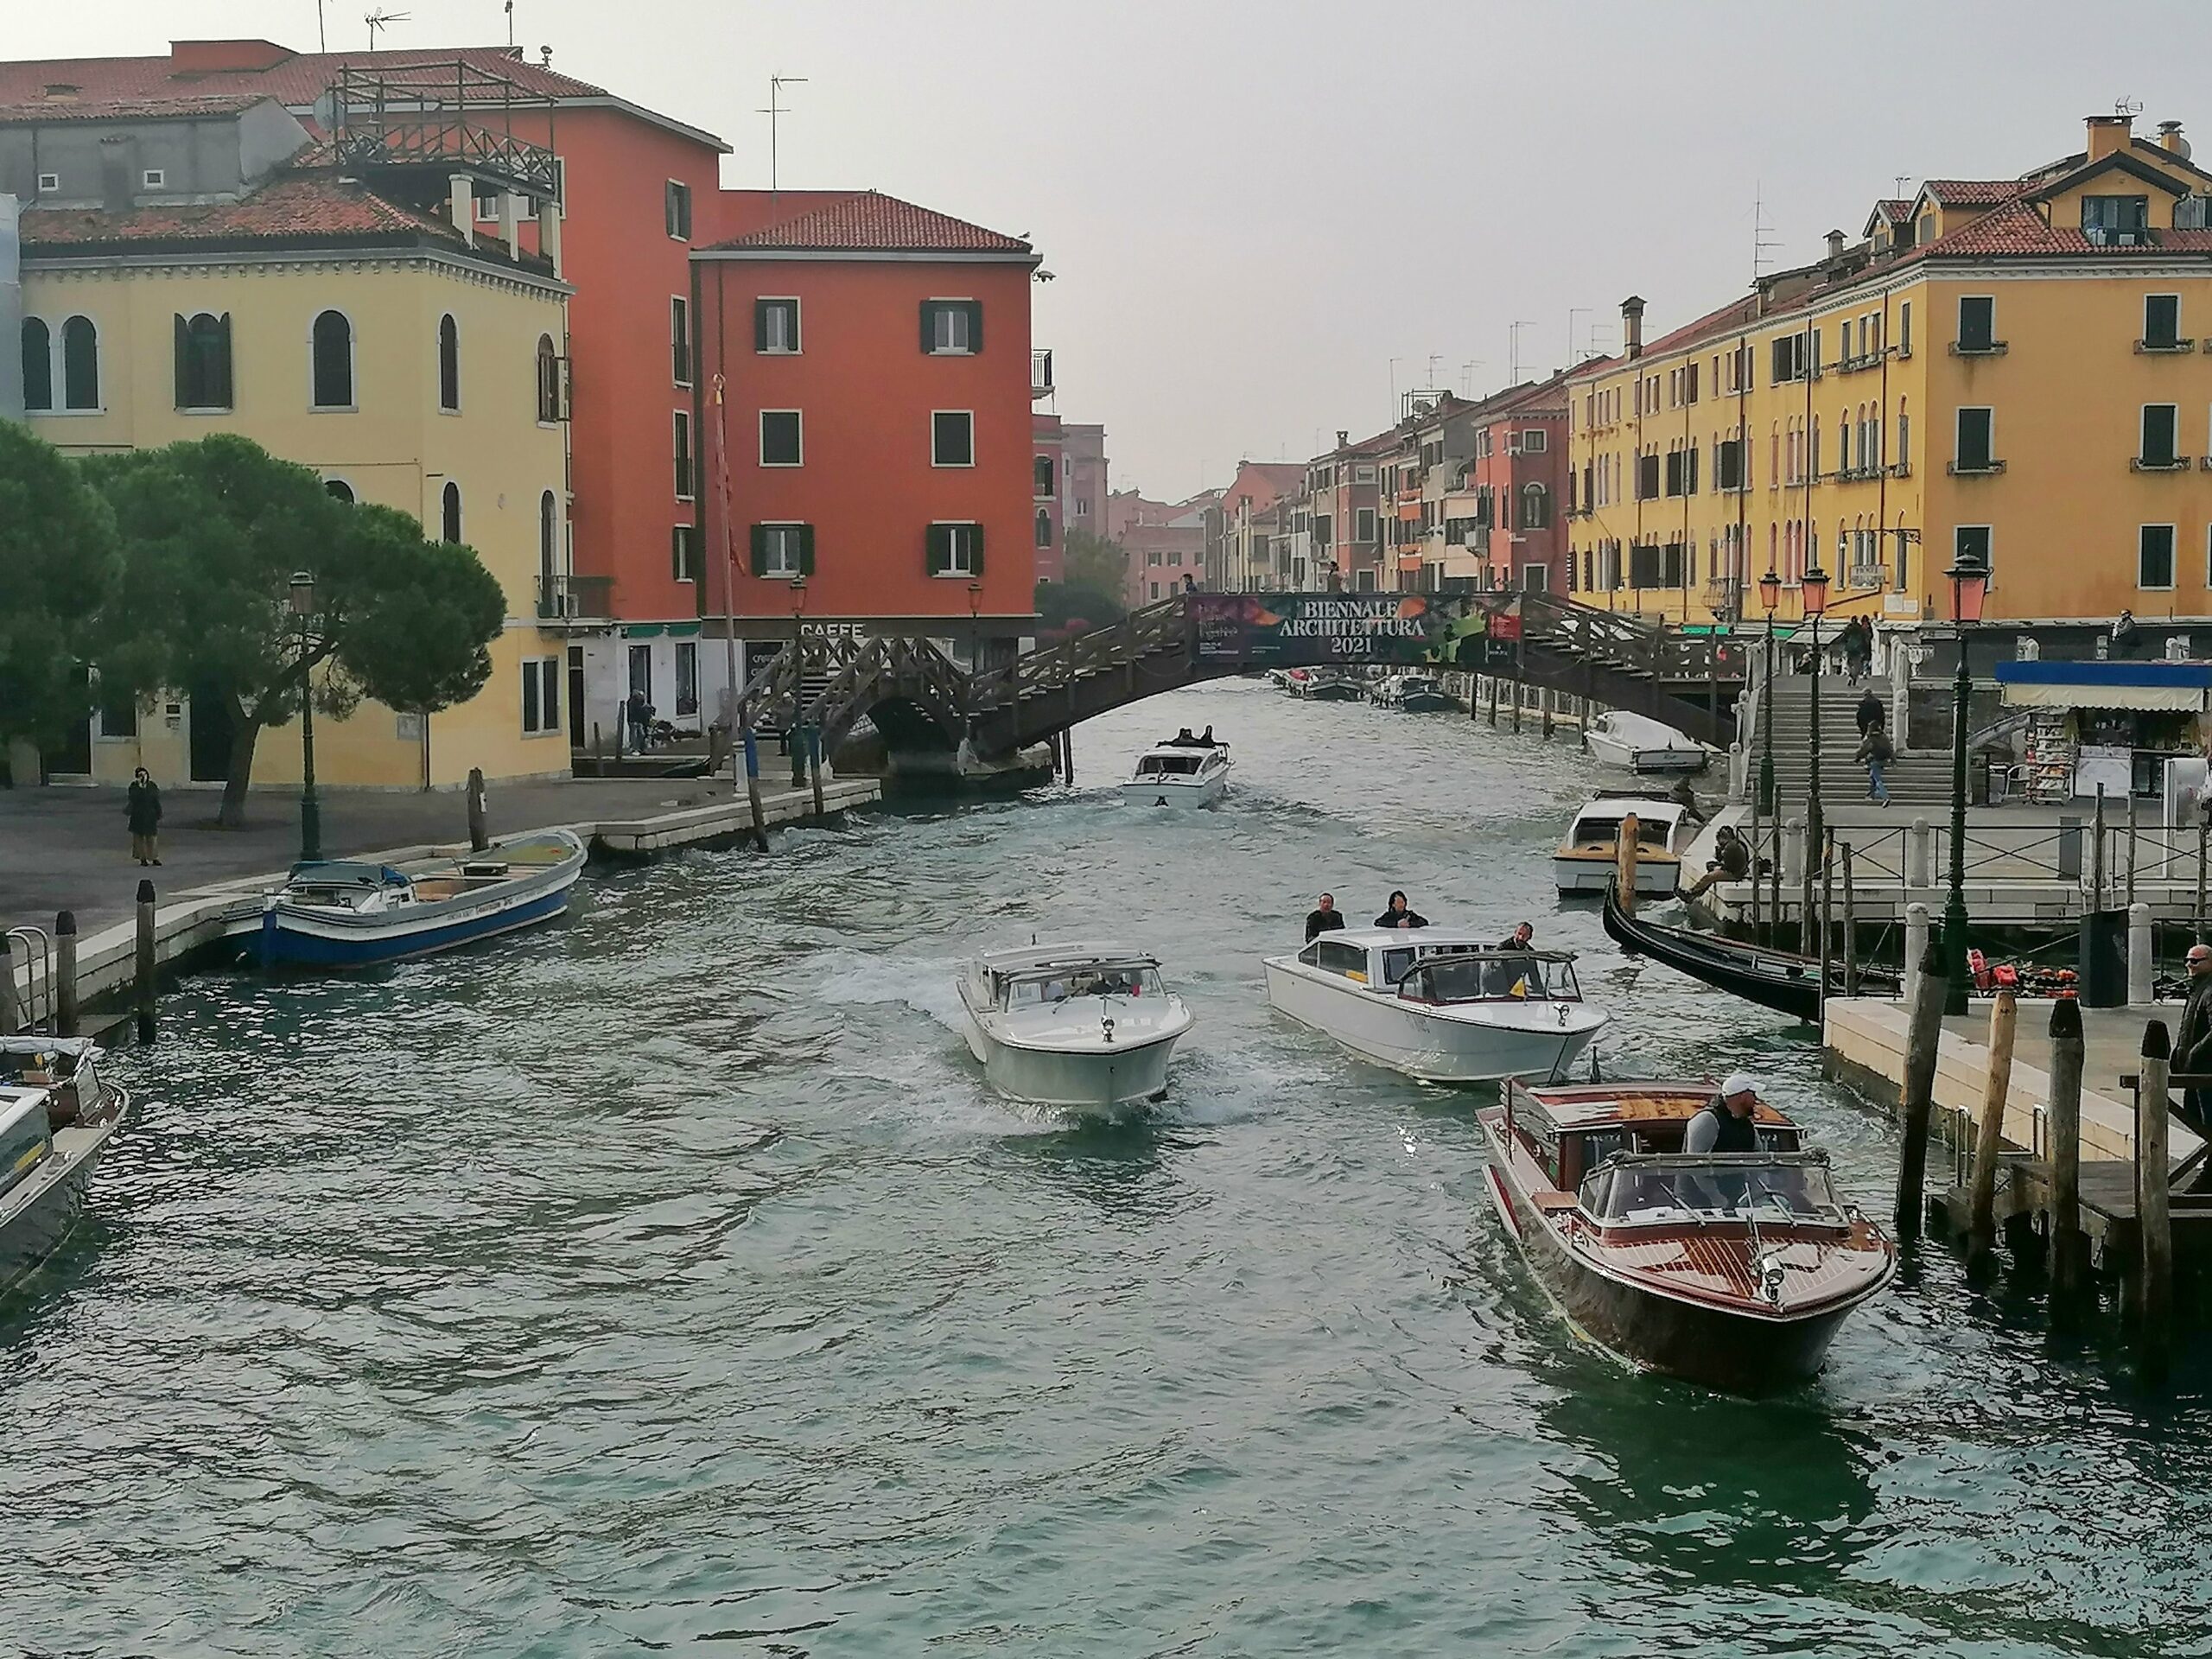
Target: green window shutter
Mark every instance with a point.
(976, 532)
(183, 364)
(223, 360)
(760, 550)
(929, 335)
(975, 326)
(939, 549)
(806, 549)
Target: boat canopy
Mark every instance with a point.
(1166, 763)
(1491, 977)
(1667, 1189)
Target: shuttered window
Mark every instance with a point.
(783, 551)
(952, 328)
(203, 361)
(955, 549)
(775, 326)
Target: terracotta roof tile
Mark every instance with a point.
(42, 112)
(1895, 209)
(297, 79)
(2017, 229)
(291, 209)
(1974, 193)
(868, 221)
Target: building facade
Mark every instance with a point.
(199, 265)
(1048, 464)
(1164, 542)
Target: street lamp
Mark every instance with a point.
(1969, 576)
(974, 655)
(795, 739)
(303, 607)
(1813, 595)
(1770, 596)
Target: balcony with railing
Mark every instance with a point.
(1041, 373)
(438, 120)
(577, 599)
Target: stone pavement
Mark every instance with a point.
(67, 849)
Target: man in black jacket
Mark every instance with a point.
(1398, 915)
(2193, 1038)
(1324, 918)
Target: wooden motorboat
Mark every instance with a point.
(1781, 980)
(1326, 686)
(1439, 1005)
(1617, 738)
(1733, 1270)
(1183, 771)
(1412, 694)
(1087, 1027)
(350, 913)
(58, 1112)
(1589, 853)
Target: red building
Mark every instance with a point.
(1048, 465)
(1518, 475)
(874, 358)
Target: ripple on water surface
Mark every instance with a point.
(668, 1278)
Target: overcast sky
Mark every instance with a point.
(1252, 208)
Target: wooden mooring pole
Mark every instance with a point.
(1989, 1136)
(65, 1021)
(1916, 1096)
(1828, 914)
(2154, 1216)
(480, 832)
(2097, 853)
(2203, 836)
(1850, 930)
(751, 742)
(2069, 1246)
(144, 975)
(1625, 856)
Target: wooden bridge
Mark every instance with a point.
(919, 698)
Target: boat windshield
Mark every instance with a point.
(1156, 766)
(1662, 1191)
(1650, 832)
(1039, 991)
(1492, 975)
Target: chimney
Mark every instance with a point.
(2170, 138)
(2109, 134)
(225, 57)
(1632, 325)
(1343, 437)
(1835, 244)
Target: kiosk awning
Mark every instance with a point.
(2183, 686)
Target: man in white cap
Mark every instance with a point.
(1724, 1125)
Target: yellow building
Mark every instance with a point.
(198, 265)
(2003, 365)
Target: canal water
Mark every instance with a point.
(669, 1282)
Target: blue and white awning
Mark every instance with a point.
(2182, 686)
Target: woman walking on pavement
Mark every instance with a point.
(144, 814)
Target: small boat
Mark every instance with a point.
(1781, 980)
(1439, 1005)
(348, 913)
(1183, 771)
(1414, 694)
(57, 1113)
(1639, 743)
(1087, 1027)
(1326, 686)
(1733, 1270)
(1587, 857)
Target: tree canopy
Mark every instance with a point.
(57, 563)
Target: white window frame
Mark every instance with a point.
(762, 434)
(1535, 440)
(772, 545)
(1362, 475)
(936, 350)
(798, 326)
(546, 671)
(683, 441)
(2173, 559)
(953, 466)
(698, 557)
(154, 178)
(965, 569)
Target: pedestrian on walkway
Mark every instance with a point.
(142, 812)
(639, 712)
(1870, 713)
(1875, 752)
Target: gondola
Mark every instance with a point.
(1781, 980)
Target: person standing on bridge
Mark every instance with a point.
(142, 812)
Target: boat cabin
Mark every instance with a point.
(62, 1071)
(1572, 1132)
(1443, 970)
(1014, 981)
(1598, 823)
(1173, 762)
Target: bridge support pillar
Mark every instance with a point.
(1793, 851)
(1545, 699)
(1919, 855)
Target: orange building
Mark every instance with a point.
(875, 362)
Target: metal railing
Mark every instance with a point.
(1040, 372)
(576, 598)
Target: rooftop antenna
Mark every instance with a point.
(321, 35)
(2130, 107)
(1903, 179)
(1467, 378)
(510, 22)
(1573, 312)
(381, 19)
(775, 85)
(1760, 241)
(1513, 351)
(1434, 357)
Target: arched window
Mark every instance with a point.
(339, 490)
(1905, 435)
(1535, 507)
(81, 364)
(1043, 527)
(333, 355)
(1043, 471)
(450, 516)
(549, 537)
(548, 381)
(1843, 442)
(38, 365)
(448, 362)
(203, 361)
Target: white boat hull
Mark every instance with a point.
(1655, 877)
(1610, 751)
(1538, 1039)
(1166, 792)
(1100, 1081)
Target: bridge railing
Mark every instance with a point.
(1140, 634)
(1621, 639)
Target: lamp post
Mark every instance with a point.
(1969, 577)
(795, 739)
(975, 655)
(302, 605)
(1770, 596)
(1813, 591)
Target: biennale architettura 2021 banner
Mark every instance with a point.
(1288, 630)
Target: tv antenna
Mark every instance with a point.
(1467, 377)
(775, 85)
(321, 35)
(2129, 107)
(1513, 351)
(510, 22)
(1760, 240)
(381, 19)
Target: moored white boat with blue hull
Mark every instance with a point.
(1086, 1027)
(58, 1113)
(1439, 1005)
(346, 913)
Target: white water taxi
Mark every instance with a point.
(1638, 743)
(1412, 694)
(1184, 771)
(1439, 1005)
(1587, 855)
(1087, 1027)
(57, 1115)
